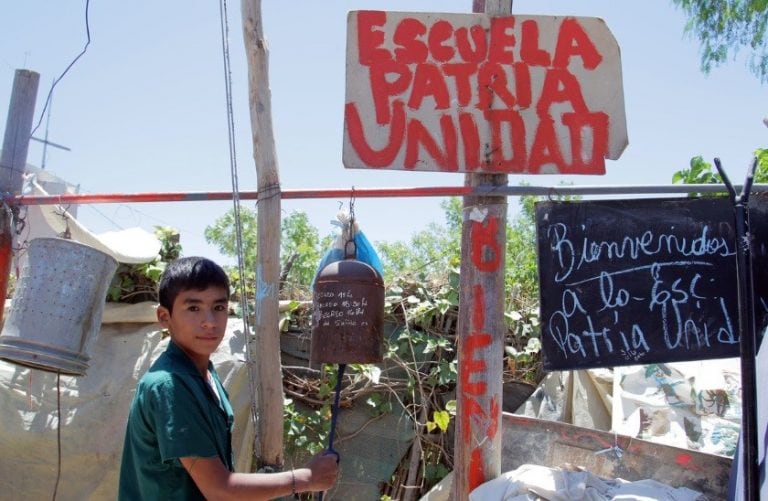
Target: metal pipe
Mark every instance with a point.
(428, 191)
(746, 331)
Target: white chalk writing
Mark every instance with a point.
(601, 285)
(340, 308)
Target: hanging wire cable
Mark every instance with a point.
(223, 16)
(85, 47)
(58, 435)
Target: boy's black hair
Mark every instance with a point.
(189, 273)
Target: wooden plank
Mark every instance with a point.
(13, 161)
(485, 92)
(18, 129)
(266, 344)
(557, 445)
(481, 329)
(554, 444)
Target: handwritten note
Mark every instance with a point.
(341, 309)
(637, 281)
(347, 314)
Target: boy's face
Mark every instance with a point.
(198, 321)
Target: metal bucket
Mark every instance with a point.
(57, 306)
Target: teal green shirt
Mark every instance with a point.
(174, 414)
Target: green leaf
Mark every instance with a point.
(442, 419)
(324, 390)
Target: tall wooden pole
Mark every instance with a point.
(266, 344)
(481, 327)
(18, 129)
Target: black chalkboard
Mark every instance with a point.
(628, 282)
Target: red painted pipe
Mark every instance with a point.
(103, 198)
(6, 257)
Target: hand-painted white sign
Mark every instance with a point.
(474, 93)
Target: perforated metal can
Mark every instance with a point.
(56, 310)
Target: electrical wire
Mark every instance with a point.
(85, 47)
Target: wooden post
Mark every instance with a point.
(18, 129)
(266, 345)
(481, 326)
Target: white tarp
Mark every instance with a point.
(131, 245)
(558, 484)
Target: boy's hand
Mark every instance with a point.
(322, 469)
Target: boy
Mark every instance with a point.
(177, 442)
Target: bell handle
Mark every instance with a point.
(350, 254)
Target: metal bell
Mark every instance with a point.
(348, 314)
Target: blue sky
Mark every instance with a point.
(144, 109)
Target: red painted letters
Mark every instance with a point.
(480, 412)
(458, 97)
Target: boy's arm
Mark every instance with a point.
(215, 481)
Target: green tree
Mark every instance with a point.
(223, 234)
(700, 171)
(521, 280)
(725, 26)
(434, 253)
(430, 253)
(300, 248)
